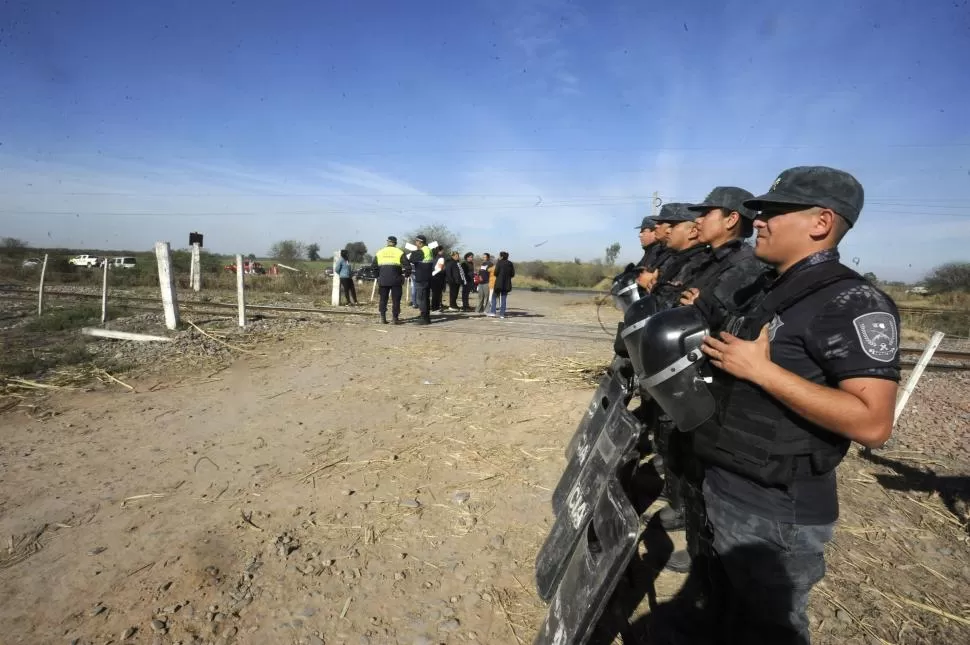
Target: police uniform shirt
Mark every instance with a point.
(651, 253)
(728, 281)
(677, 272)
(845, 330)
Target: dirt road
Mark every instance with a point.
(353, 484)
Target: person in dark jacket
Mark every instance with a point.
(652, 245)
(504, 272)
(484, 297)
(439, 279)
(467, 269)
(422, 262)
(686, 254)
(391, 268)
(456, 279)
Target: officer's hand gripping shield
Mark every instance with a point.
(634, 320)
(676, 375)
(625, 290)
(614, 445)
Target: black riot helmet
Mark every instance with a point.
(625, 290)
(675, 372)
(634, 321)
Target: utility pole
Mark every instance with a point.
(655, 204)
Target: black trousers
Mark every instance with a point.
(437, 288)
(350, 291)
(465, 290)
(422, 293)
(395, 295)
(453, 289)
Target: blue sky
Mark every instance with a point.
(516, 123)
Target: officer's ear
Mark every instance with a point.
(732, 220)
(825, 224)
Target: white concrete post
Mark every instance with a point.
(917, 372)
(335, 293)
(196, 273)
(163, 254)
(40, 289)
(240, 291)
(104, 293)
(373, 289)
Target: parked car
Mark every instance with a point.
(85, 261)
(366, 272)
(121, 263)
(30, 263)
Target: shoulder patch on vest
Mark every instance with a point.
(877, 335)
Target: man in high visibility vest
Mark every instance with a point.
(391, 266)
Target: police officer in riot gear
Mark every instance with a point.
(807, 366)
(652, 244)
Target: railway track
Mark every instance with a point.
(476, 326)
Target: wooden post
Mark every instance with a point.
(196, 273)
(240, 291)
(163, 254)
(335, 292)
(40, 289)
(104, 293)
(373, 290)
(917, 372)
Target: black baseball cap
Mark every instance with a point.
(675, 212)
(392, 239)
(648, 222)
(730, 198)
(815, 186)
(421, 238)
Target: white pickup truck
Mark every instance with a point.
(84, 261)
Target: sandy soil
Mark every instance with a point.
(355, 483)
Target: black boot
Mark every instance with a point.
(383, 319)
(671, 519)
(678, 562)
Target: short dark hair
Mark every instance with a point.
(487, 254)
(469, 255)
(840, 226)
(504, 255)
(343, 254)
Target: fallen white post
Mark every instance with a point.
(195, 275)
(104, 293)
(373, 289)
(40, 289)
(163, 253)
(917, 372)
(283, 266)
(240, 291)
(335, 292)
(123, 335)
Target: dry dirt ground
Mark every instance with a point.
(345, 482)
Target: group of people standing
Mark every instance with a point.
(804, 360)
(431, 271)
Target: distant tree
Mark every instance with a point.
(577, 261)
(612, 252)
(356, 251)
(953, 276)
(252, 257)
(12, 244)
(313, 252)
(446, 238)
(287, 250)
(871, 277)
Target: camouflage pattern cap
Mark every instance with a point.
(674, 212)
(730, 198)
(815, 186)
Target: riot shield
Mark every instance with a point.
(618, 439)
(613, 388)
(592, 573)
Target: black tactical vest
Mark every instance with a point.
(753, 434)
